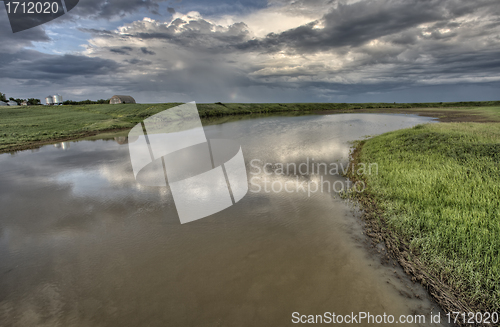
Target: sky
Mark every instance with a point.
(259, 51)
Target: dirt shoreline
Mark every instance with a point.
(444, 116)
(398, 249)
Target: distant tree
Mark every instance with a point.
(18, 101)
(71, 102)
(2, 97)
(34, 102)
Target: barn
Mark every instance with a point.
(117, 99)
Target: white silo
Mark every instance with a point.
(49, 100)
(58, 99)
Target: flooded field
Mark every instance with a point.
(82, 244)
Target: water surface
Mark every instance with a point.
(82, 244)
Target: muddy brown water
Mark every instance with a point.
(82, 244)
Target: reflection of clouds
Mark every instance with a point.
(62, 145)
(121, 176)
(121, 139)
(81, 182)
(79, 219)
(322, 138)
(117, 174)
(54, 196)
(99, 173)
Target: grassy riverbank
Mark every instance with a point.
(25, 127)
(437, 194)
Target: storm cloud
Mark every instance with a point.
(320, 50)
(360, 22)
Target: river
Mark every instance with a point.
(82, 244)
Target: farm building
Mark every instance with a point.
(12, 103)
(117, 99)
(3, 104)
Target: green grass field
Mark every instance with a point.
(22, 127)
(439, 188)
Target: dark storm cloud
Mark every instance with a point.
(33, 65)
(195, 34)
(357, 23)
(113, 8)
(97, 32)
(70, 65)
(136, 61)
(146, 51)
(121, 50)
(463, 63)
(220, 7)
(11, 42)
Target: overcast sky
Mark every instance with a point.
(259, 51)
